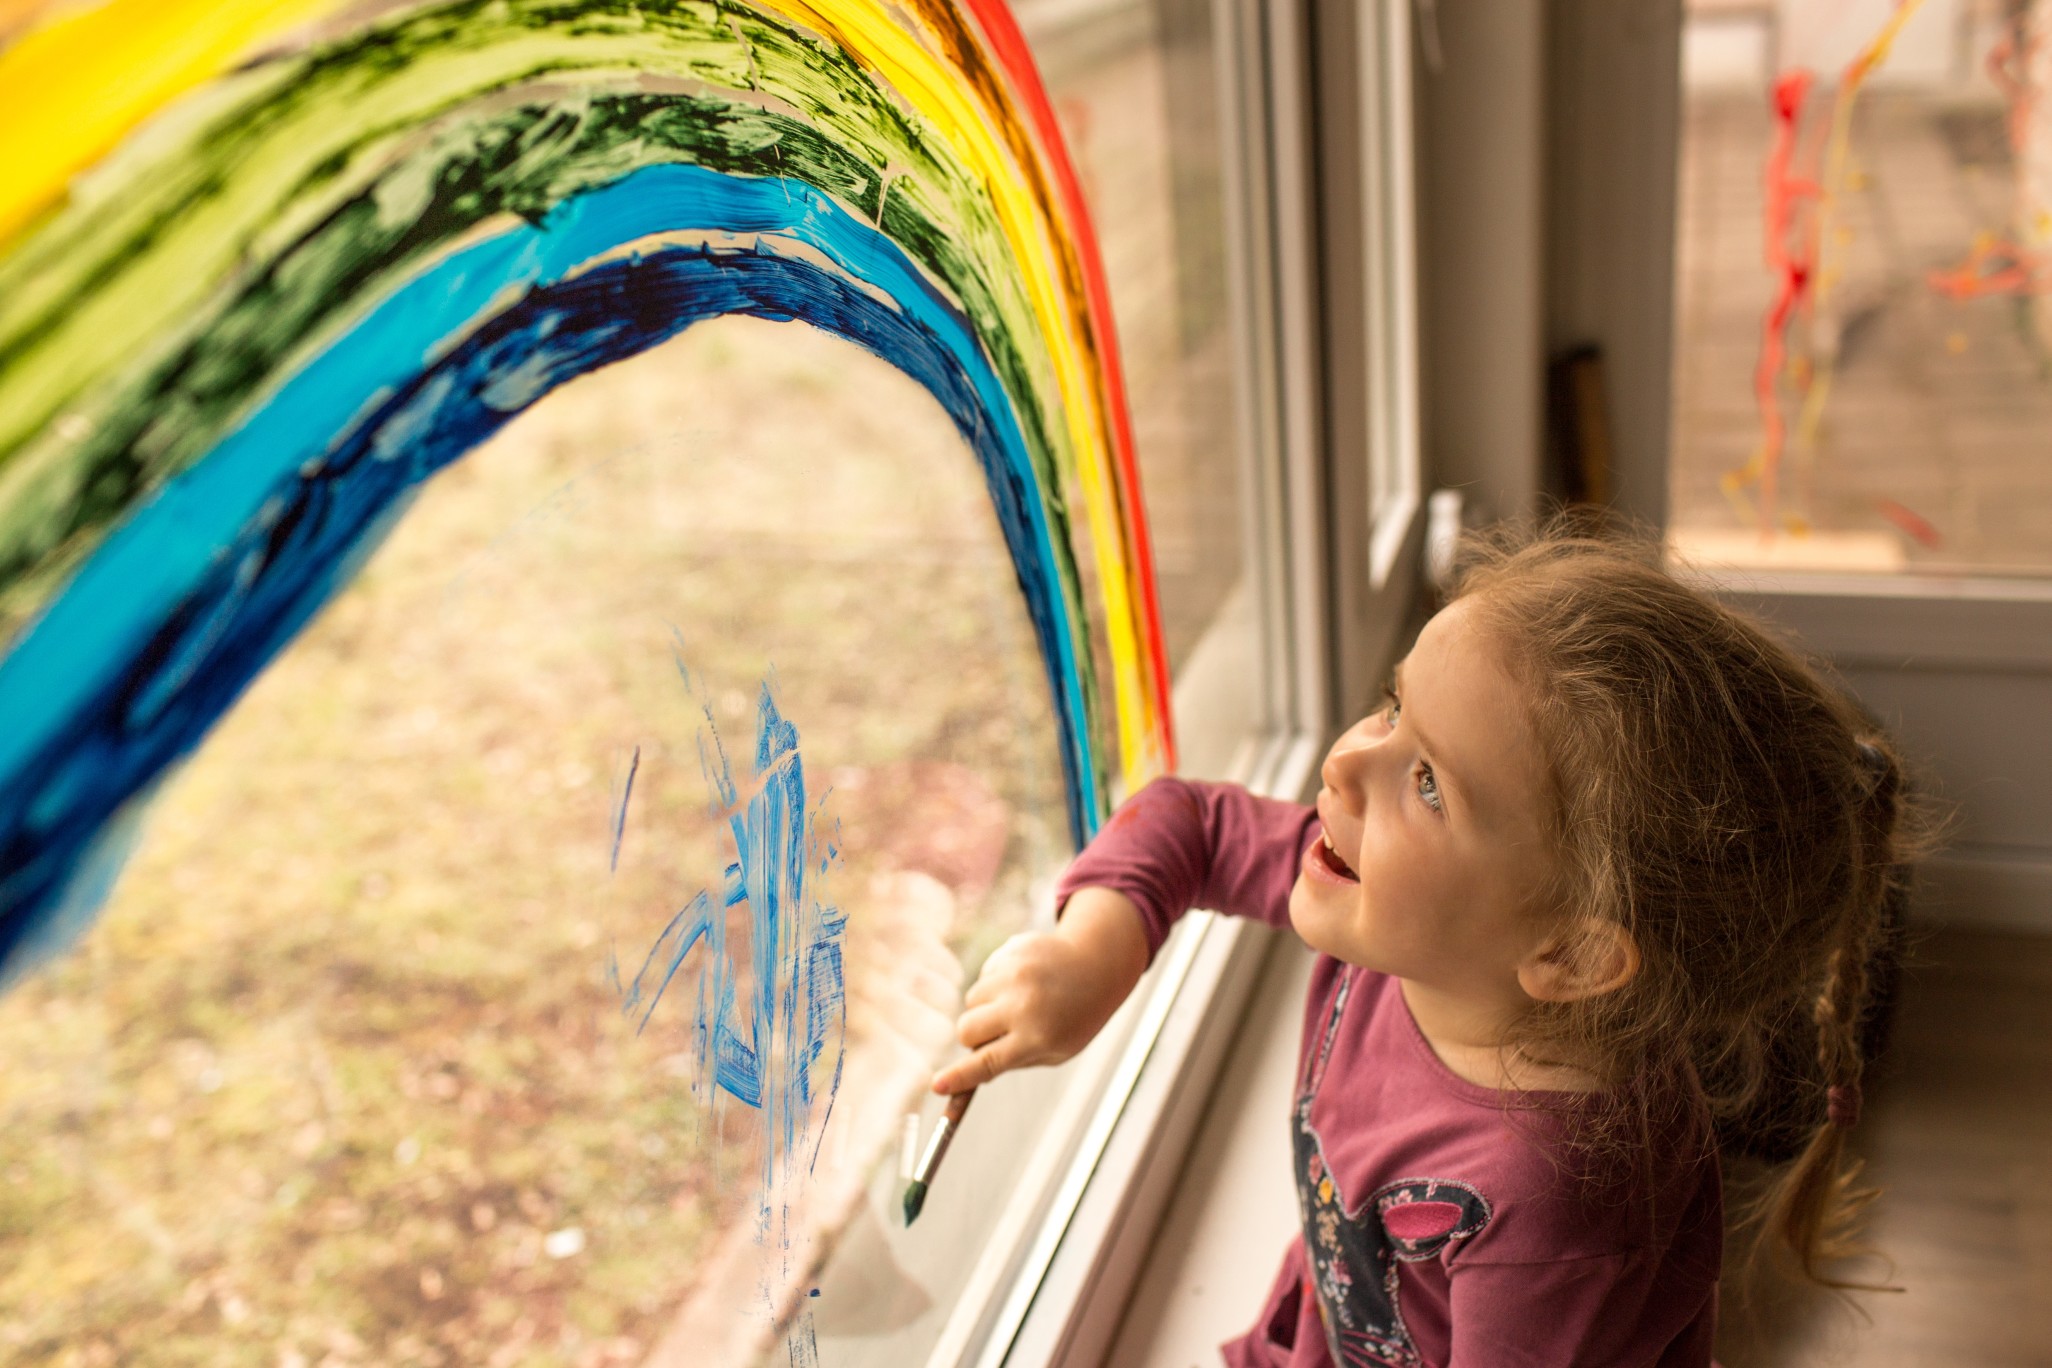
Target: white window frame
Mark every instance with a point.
(1389, 198)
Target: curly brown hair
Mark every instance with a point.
(1726, 803)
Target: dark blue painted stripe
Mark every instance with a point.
(159, 633)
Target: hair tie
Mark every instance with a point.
(1842, 1105)
(1874, 758)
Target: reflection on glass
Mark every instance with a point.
(1864, 334)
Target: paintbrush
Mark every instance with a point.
(936, 1150)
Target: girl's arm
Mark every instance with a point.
(1175, 845)
(1179, 844)
(1044, 995)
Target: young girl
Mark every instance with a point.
(1606, 842)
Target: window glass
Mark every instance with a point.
(1136, 85)
(350, 1059)
(376, 1053)
(1864, 333)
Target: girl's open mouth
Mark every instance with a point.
(1326, 855)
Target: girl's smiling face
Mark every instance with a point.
(1434, 810)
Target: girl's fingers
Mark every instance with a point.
(995, 974)
(978, 1069)
(953, 1079)
(979, 1026)
(982, 990)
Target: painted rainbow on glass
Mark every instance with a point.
(267, 265)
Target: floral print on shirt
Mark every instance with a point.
(1353, 1258)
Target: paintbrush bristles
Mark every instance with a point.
(936, 1150)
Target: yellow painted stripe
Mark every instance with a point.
(79, 83)
(19, 16)
(917, 72)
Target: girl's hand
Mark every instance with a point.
(1043, 995)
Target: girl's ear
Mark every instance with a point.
(1588, 957)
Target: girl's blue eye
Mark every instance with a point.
(1428, 788)
(1392, 707)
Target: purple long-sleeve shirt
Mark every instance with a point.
(1444, 1223)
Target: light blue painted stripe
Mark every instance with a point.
(90, 634)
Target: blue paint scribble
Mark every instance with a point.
(780, 1052)
(620, 814)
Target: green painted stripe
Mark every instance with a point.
(246, 231)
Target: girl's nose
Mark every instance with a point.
(1347, 761)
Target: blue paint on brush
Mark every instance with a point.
(163, 628)
(794, 1030)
